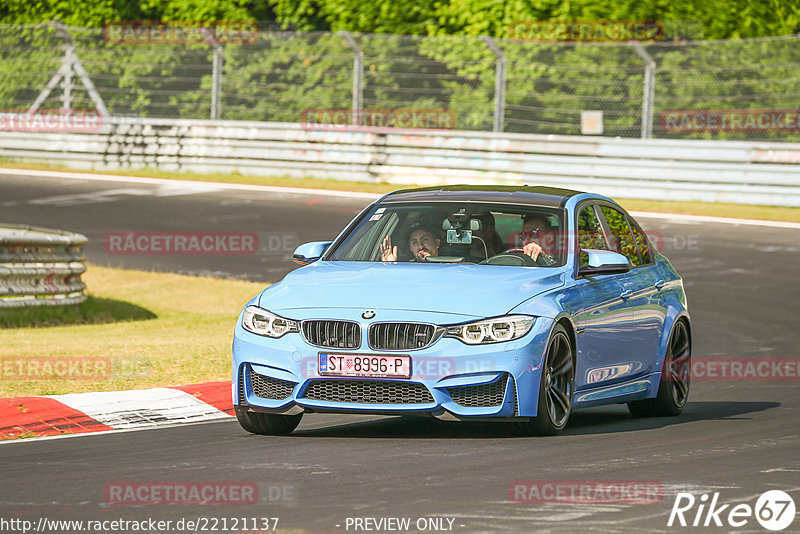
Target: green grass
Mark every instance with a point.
(155, 329)
(95, 310)
(738, 211)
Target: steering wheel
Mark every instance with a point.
(514, 257)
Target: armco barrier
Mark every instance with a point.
(40, 267)
(712, 171)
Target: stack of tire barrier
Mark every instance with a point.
(40, 267)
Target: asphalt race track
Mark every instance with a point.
(736, 438)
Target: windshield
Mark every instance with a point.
(457, 232)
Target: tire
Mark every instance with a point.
(266, 423)
(556, 389)
(673, 390)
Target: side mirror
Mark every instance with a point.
(310, 252)
(604, 262)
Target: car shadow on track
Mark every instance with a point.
(601, 420)
(614, 419)
(407, 428)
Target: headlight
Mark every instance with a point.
(260, 321)
(491, 330)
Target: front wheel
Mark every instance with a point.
(555, 390)
(266, 423)
(673, 391)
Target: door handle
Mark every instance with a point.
(660, 284)
(625, 294)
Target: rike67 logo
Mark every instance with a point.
(774, 510)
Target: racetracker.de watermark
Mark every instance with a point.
(746, 369)
(377, 119)
(582, 31)
(50, 368)
(200, 243)
(586, 491)
(730, 120)
(51, 120)
(180, 32)
(181, 493)
(665, 243)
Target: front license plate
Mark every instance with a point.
(365, 365)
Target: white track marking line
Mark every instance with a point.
(708, 219)
(193, 183)
(219, 186)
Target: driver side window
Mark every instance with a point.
(590, 234)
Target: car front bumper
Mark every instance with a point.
(450, 379)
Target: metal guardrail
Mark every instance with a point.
(40, 267)
(711, 171)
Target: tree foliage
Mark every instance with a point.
(424, 54)
(97, 13)
(718, 19)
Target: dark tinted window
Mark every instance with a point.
(641, 243)
(621, 237)
(590, 234)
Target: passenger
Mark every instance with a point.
(421, 241)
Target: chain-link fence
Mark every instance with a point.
(742, 89)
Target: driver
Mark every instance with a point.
(421, 241)
(538, 226)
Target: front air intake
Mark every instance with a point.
(480, 396)
(368, 392)
(268, 387)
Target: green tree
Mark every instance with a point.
(97, 13)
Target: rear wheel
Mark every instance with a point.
(673, 391)
(266, 423)
(555, 390)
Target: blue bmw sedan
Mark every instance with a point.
(513, 304)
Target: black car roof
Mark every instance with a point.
(515, 194)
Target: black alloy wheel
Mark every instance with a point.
(673, 392)
(555, 390)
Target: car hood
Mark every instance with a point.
(474, 290)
